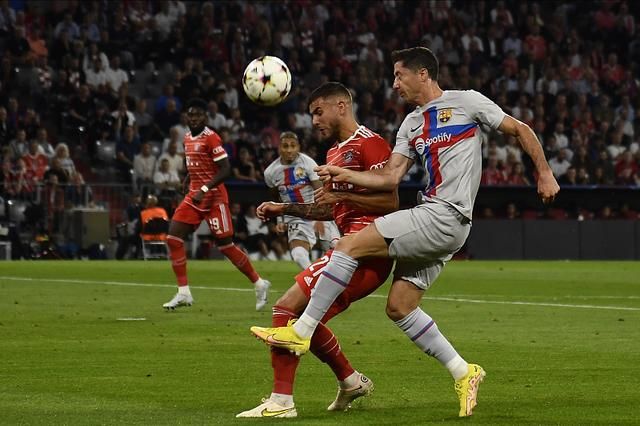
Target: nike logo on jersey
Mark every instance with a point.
(413, 130)
(267, 413)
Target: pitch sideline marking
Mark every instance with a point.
(437, 298)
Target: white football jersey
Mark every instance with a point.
(293, 181)
(444, 136)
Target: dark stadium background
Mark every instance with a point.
(569, 69)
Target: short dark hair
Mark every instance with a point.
(289, 135)
(331, 88)
(197, 103)
(416, 58)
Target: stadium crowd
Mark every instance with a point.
(93, 90)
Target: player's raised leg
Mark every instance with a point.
(331, 283)
(175, 242)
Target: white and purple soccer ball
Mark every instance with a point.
(267, 80)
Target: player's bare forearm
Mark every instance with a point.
(528, 140)
(547, 186)
(374, 203)
(382, 180)
(311, 211)
(224, 171)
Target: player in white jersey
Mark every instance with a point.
(443, 134)
(291, 178)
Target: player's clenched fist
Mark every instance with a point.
(324, 195)
(547, 187)
(333, 173)
(269, 209)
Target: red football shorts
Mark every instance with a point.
(369, 275)
(218, 218)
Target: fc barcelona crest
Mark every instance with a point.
(444, 115)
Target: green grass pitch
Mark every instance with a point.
(560, 342)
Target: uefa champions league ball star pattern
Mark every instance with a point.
(267, 80)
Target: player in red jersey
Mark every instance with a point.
(207, 166)
(353, 208)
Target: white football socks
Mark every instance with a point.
(300, 255)
(423, 331)
(282, 399)
(332, 281)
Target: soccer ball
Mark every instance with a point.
(267, 80)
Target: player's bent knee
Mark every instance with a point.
(396, 310)
(345, 245)
(174, 243)
(293, 300)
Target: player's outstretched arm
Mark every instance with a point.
(384, 180)
(371, 202)
(311, 211)
(547, 185)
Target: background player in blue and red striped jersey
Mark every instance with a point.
(291, 178)
(353, 208)
(207, 166)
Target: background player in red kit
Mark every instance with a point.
(207, 166)
(352, 208)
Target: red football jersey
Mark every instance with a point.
(364, 150)
(201, 153)
(38, 164)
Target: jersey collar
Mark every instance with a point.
(350, 138)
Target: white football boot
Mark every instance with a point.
(268, 409)
(178, 300)
(346, 396)
(262, 293)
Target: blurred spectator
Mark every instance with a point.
(81, 107)
(167, 94)
(19, 145)
(215, 119)
(115, 76)
(626, 169)
(23, 179)
(127, 148)
(492, 175)
(582, 177)
(67, 26)
(56, 172)
(235, 123)
(517, 176)
(66, 163)
(7, 131)
(570, 178)
(174, 159)
(615, 149)
(123, 118)
(512, 212)
(165, 179)
(244, 167)
(168, 117)
(95, 76)
(560, 164)
(144, 165)
(182, 127)
(35, 161)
